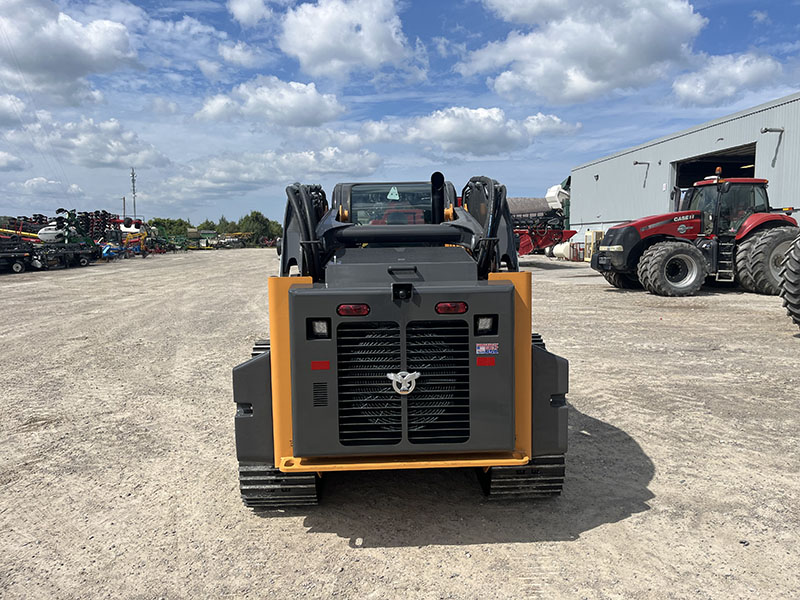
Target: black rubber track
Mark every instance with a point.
(742, 261)
(622, 281)
(264, 486)
(652, 269)
(542, 477)
(790, 281)
(766, 282)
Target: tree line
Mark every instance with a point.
(256, 223)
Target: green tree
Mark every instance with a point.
(210, 225)
(170, 226)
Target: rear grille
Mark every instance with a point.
(370, 412)
(438, 408)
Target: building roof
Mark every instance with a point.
(722, 120)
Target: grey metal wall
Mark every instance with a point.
(612, 189)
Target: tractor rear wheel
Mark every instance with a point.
(742, 262)
(790, 281)
(622, 281)
(672, 269)
(769, 249)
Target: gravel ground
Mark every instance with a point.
(118, 473)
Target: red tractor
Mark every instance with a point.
(724, 229)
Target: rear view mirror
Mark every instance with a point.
(725, 187)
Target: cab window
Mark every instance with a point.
(390, 204)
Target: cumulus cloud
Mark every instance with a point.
(248, 12)
(273, 100)
(41, 186)
(724, 77)
(163, 106)
(472, 131)
(575, 51)
(219, 176)
(209, 69)
(348, 35)
(90, 144)
(49, 52)
(9, 162)
(12, 110)
(239, 54)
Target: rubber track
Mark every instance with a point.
(542, 477)
(760, 258)
(264, 486)
(620, 280)
(742, 262)
(790, 281)
(652, 262)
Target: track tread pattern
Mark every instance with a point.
(264, 486)
(763, 248)
(790, 281)
(651, 269)
(542, 477)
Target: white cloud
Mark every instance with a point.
(12, 110)
(248, 12)
(163, 106)
(467, 131)
(239, 54)
(49, 52)
(577, 51)
(41, 186)
(724, 77)
(90, 144)
(9, 162)
(335, 37)
(760, 16)
(270, 99)
(209, 69)
(220, 176)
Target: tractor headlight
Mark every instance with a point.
(610, 248)
(318, 329)
(486, 325)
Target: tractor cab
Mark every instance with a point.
(726, 205)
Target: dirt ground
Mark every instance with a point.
(118, 473)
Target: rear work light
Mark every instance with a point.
(353, 310)
(451, 308)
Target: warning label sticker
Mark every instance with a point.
(484, 349)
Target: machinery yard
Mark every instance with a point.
(118, 473)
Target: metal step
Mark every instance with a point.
(542, 477)
(725, 275)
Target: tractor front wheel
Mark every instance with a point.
(622, 281)
(790, 281)
(672, 269)
(766, 258)
(18, 266)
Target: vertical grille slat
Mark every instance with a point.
(438, 409)
(365, 353)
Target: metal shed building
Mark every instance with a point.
(763, 141)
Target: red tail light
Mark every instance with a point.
(353, 310)
(451, 308)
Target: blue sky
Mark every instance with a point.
(219, 105)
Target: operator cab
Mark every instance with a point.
(391, 204)
(725, 205)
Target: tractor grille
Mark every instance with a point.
(438, 408)
(370, 412)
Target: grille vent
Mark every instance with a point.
(438, 409)
(320, 394)
(370, 413)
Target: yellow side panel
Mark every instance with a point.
(523, 406)
(281, 357)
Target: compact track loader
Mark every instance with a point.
(400, 331)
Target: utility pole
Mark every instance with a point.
(123, 207)
(133, 190)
